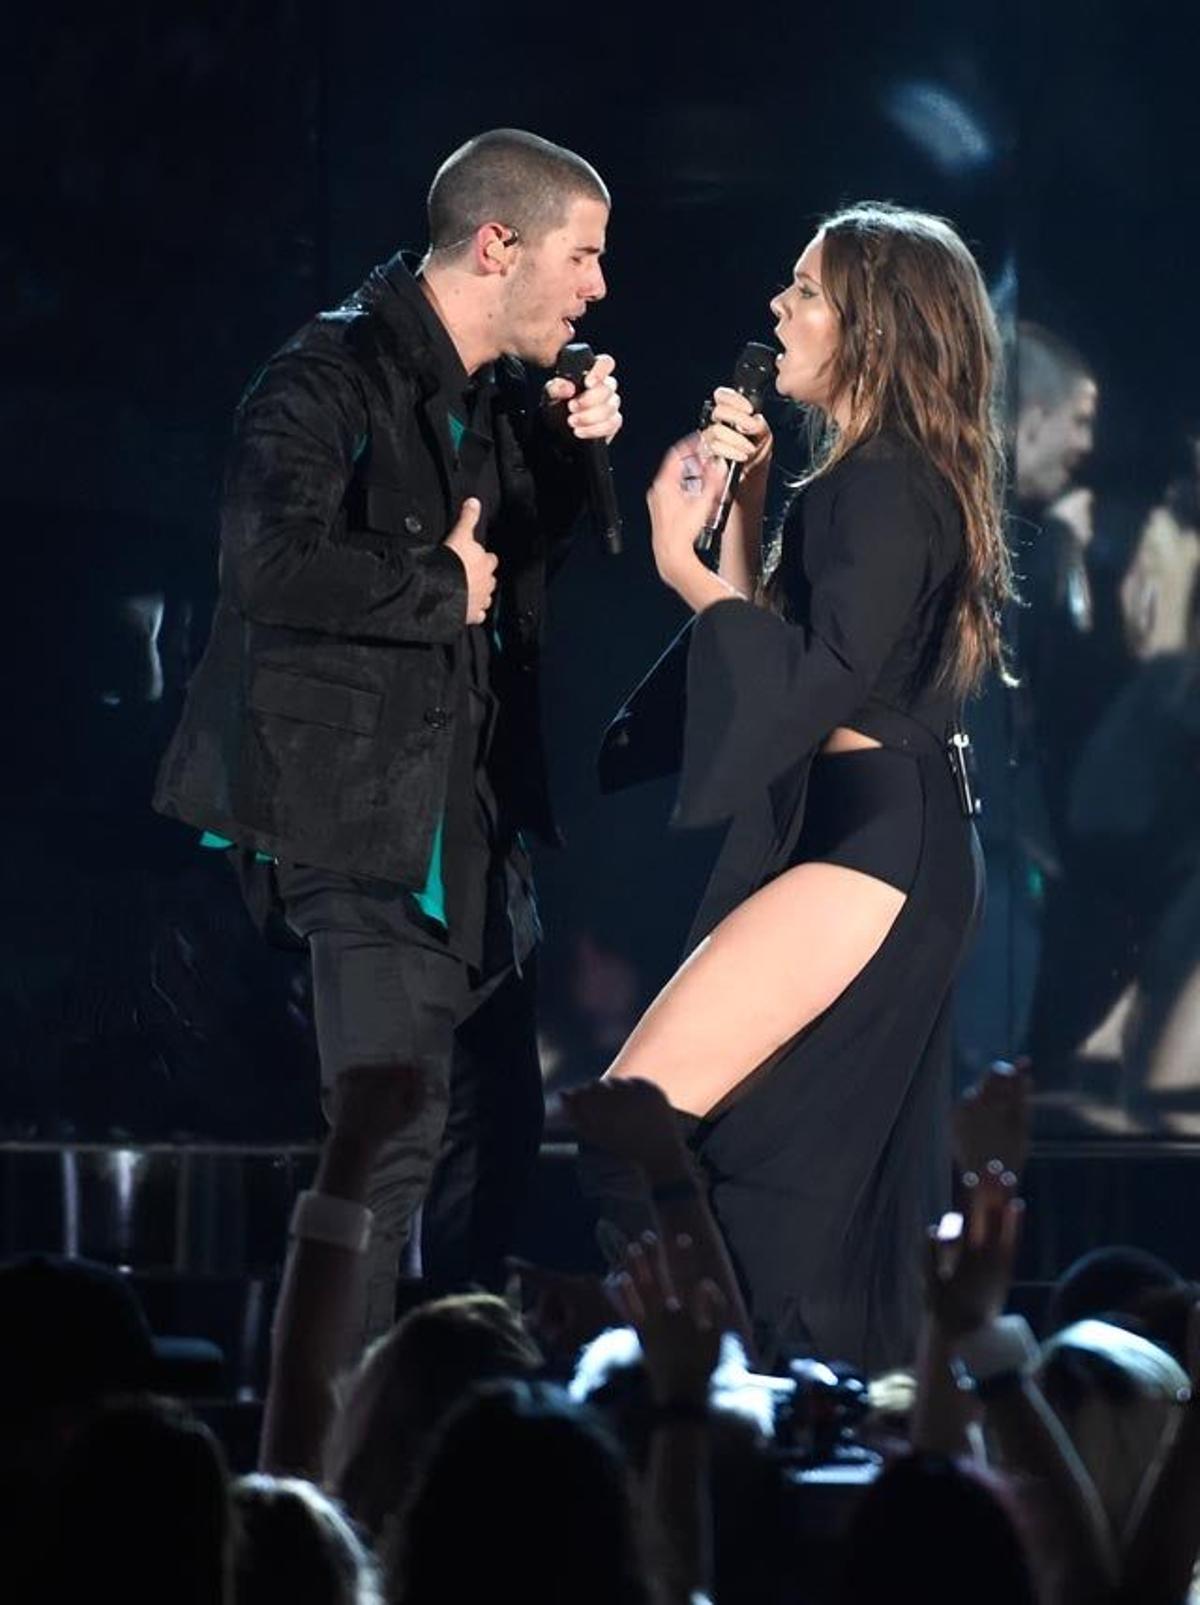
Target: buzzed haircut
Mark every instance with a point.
(1048, 367)
(507, 176)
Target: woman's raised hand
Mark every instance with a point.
(682, 498)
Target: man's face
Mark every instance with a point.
(1053, 441)
(553, 281)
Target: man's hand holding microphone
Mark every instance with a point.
(590, 408)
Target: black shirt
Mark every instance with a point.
(489, 913)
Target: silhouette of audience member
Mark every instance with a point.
(938, 1531)
(405, 1385)
(524, 1496)
(1106, 1282)
(141, 1511)
(72, 1334)
(294, 1547)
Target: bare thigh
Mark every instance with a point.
(768, 970)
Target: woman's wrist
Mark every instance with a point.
(697, 584)
(751, 494)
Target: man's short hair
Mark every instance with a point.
(1048, 367)
(507, 176)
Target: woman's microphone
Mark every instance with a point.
(752, 373)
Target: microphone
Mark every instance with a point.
(574, 363)
(752, 373)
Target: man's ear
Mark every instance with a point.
(491, 247)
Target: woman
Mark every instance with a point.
(808, 1030)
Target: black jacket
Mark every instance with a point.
(871, 563)
(319, 723)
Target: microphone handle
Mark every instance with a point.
(715, 528)
(602, 495)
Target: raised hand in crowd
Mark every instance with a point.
(632, 1119)
(990, 1123)
(322, 1276)
(679, 1316)
(967, 1280)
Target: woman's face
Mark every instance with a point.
(808, 329)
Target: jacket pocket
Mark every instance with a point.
(323, 702)
(393, 512)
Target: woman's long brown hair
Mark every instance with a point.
(919, 354)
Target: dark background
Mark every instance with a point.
(185, 186)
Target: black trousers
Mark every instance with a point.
(385, 992)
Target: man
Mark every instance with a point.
(365, 718)
(1066, 631)
(1056, 414)
(1052, 635)
(1072, 662)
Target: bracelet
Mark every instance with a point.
(319, 1218)
(674, 1192)
(1002, 1347)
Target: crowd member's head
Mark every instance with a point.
(404, 1386)
(932, 1530)
(516, 233)
(294, 1547)
(1056, 414)
(887, 325)
(1164, 1315)
(1106, 1281)
(1115, 1393)
(71, 1334)
(142, 1510)
(524, 1496)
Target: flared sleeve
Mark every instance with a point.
(761, 691)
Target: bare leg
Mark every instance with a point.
(768, 970)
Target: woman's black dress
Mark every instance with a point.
(825, 1167)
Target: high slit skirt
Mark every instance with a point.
(826, 1166)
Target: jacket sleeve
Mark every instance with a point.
(298, 434)
(762, 692)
